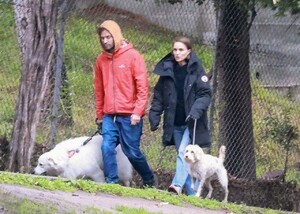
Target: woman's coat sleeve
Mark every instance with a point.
(156, 106)
(203, 97)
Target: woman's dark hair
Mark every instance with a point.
(185, 40)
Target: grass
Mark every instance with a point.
(271, 104)
(17, 205)
(150, 193)
(9, 69)
(13, 204)
(127, 210)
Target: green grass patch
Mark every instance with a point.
(128, 210)
(72, 185)
(20, 205)
(81, 46)
(9, 68)
(81, 49)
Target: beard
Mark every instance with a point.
(108, 48)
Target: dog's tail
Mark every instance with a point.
(222, 152)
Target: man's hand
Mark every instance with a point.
(135, 119)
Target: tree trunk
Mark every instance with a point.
(37, 21)
(234, 89)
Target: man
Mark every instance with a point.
(121, 94)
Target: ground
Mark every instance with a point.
(263, 193)
(258, 193)
(79, 200)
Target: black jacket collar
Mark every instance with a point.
(165, 66)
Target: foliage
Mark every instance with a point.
(282, 132)
(9, 67)
(79, 65)
(276, 111)
(282, 6)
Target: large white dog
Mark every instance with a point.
(72, 159)
(206, 168)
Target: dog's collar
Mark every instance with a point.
(71, 153)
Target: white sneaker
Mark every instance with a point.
(174, 189)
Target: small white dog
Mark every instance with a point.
(206, 168)
(72, 159)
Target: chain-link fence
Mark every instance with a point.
(269, 124)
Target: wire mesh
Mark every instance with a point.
(272, 75)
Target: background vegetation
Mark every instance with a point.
(79, 59)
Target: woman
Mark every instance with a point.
(183, 94)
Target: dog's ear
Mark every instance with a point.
(201, 150)
(198, 152)
(52, 162)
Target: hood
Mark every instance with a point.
(115, 31)
(165, 66)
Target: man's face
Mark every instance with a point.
(107, 41)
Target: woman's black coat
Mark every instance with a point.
(197, 96)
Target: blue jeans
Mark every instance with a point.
(118, 130)
(182, 177)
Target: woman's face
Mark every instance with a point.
(180, 52)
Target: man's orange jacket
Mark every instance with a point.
(120, 81)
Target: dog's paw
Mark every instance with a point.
(197, 195)
(208, 196)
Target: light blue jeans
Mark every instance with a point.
(182, 178)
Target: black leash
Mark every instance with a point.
(90, 138)
(163, 149)
(71, 152)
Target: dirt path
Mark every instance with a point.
(79, 201)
